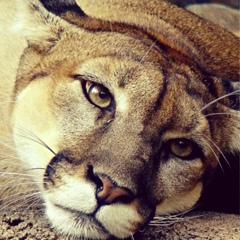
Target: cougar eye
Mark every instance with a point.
(182, 148)
(98, 95)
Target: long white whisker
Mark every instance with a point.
(15, 174)
(18, 194)
(215, 155)
(218, 99)
(8, 146)
(152, 45)
(14, 184)
(20, 198)
(218, 150)
(32, 169)
(36, 203)
(215, 114)
(166, 220)
(37, 140)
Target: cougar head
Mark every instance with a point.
(115, 108)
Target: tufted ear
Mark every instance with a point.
(214, 48)
(62, 6)
(39, 27)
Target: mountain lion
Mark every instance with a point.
(113, 111)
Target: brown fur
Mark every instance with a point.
(162, 74)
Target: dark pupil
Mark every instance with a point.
(182, 144)
(102, 95)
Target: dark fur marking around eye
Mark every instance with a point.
(234, 99)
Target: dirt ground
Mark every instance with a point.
(30, 224)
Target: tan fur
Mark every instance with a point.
(162, 74)
(222, 15)
(152, 16)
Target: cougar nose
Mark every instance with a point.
(110, 192)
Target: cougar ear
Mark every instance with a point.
(214, 48)
(62, 6)
(39, 27)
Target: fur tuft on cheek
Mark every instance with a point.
(34, 126)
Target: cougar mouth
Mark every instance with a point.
(83, 203)
(106, 221)
(75, 223)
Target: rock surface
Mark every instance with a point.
(30, 223)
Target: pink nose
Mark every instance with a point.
(110, 192)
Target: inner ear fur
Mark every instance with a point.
(212, 47)
(62, 6)
(37, 25)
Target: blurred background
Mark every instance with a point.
(183, 3)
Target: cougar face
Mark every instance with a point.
(108, 163)
(118, 128)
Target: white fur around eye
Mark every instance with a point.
(122, 102)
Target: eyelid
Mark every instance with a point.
(85, 78)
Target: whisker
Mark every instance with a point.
(31, 169)
(18, 194)
(216, 114)
(25, 197)
(215, 155)
(34, 203)
(166, 220)
(9, 156)
(218, 99)
(14, 178)
(152, 45)
(218, 150)
(15, 174)
(170, 219)
(14, 184)
(7, 145)
(34, 199)
(34, 138)
(39, 141)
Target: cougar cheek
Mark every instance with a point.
(181, 202)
